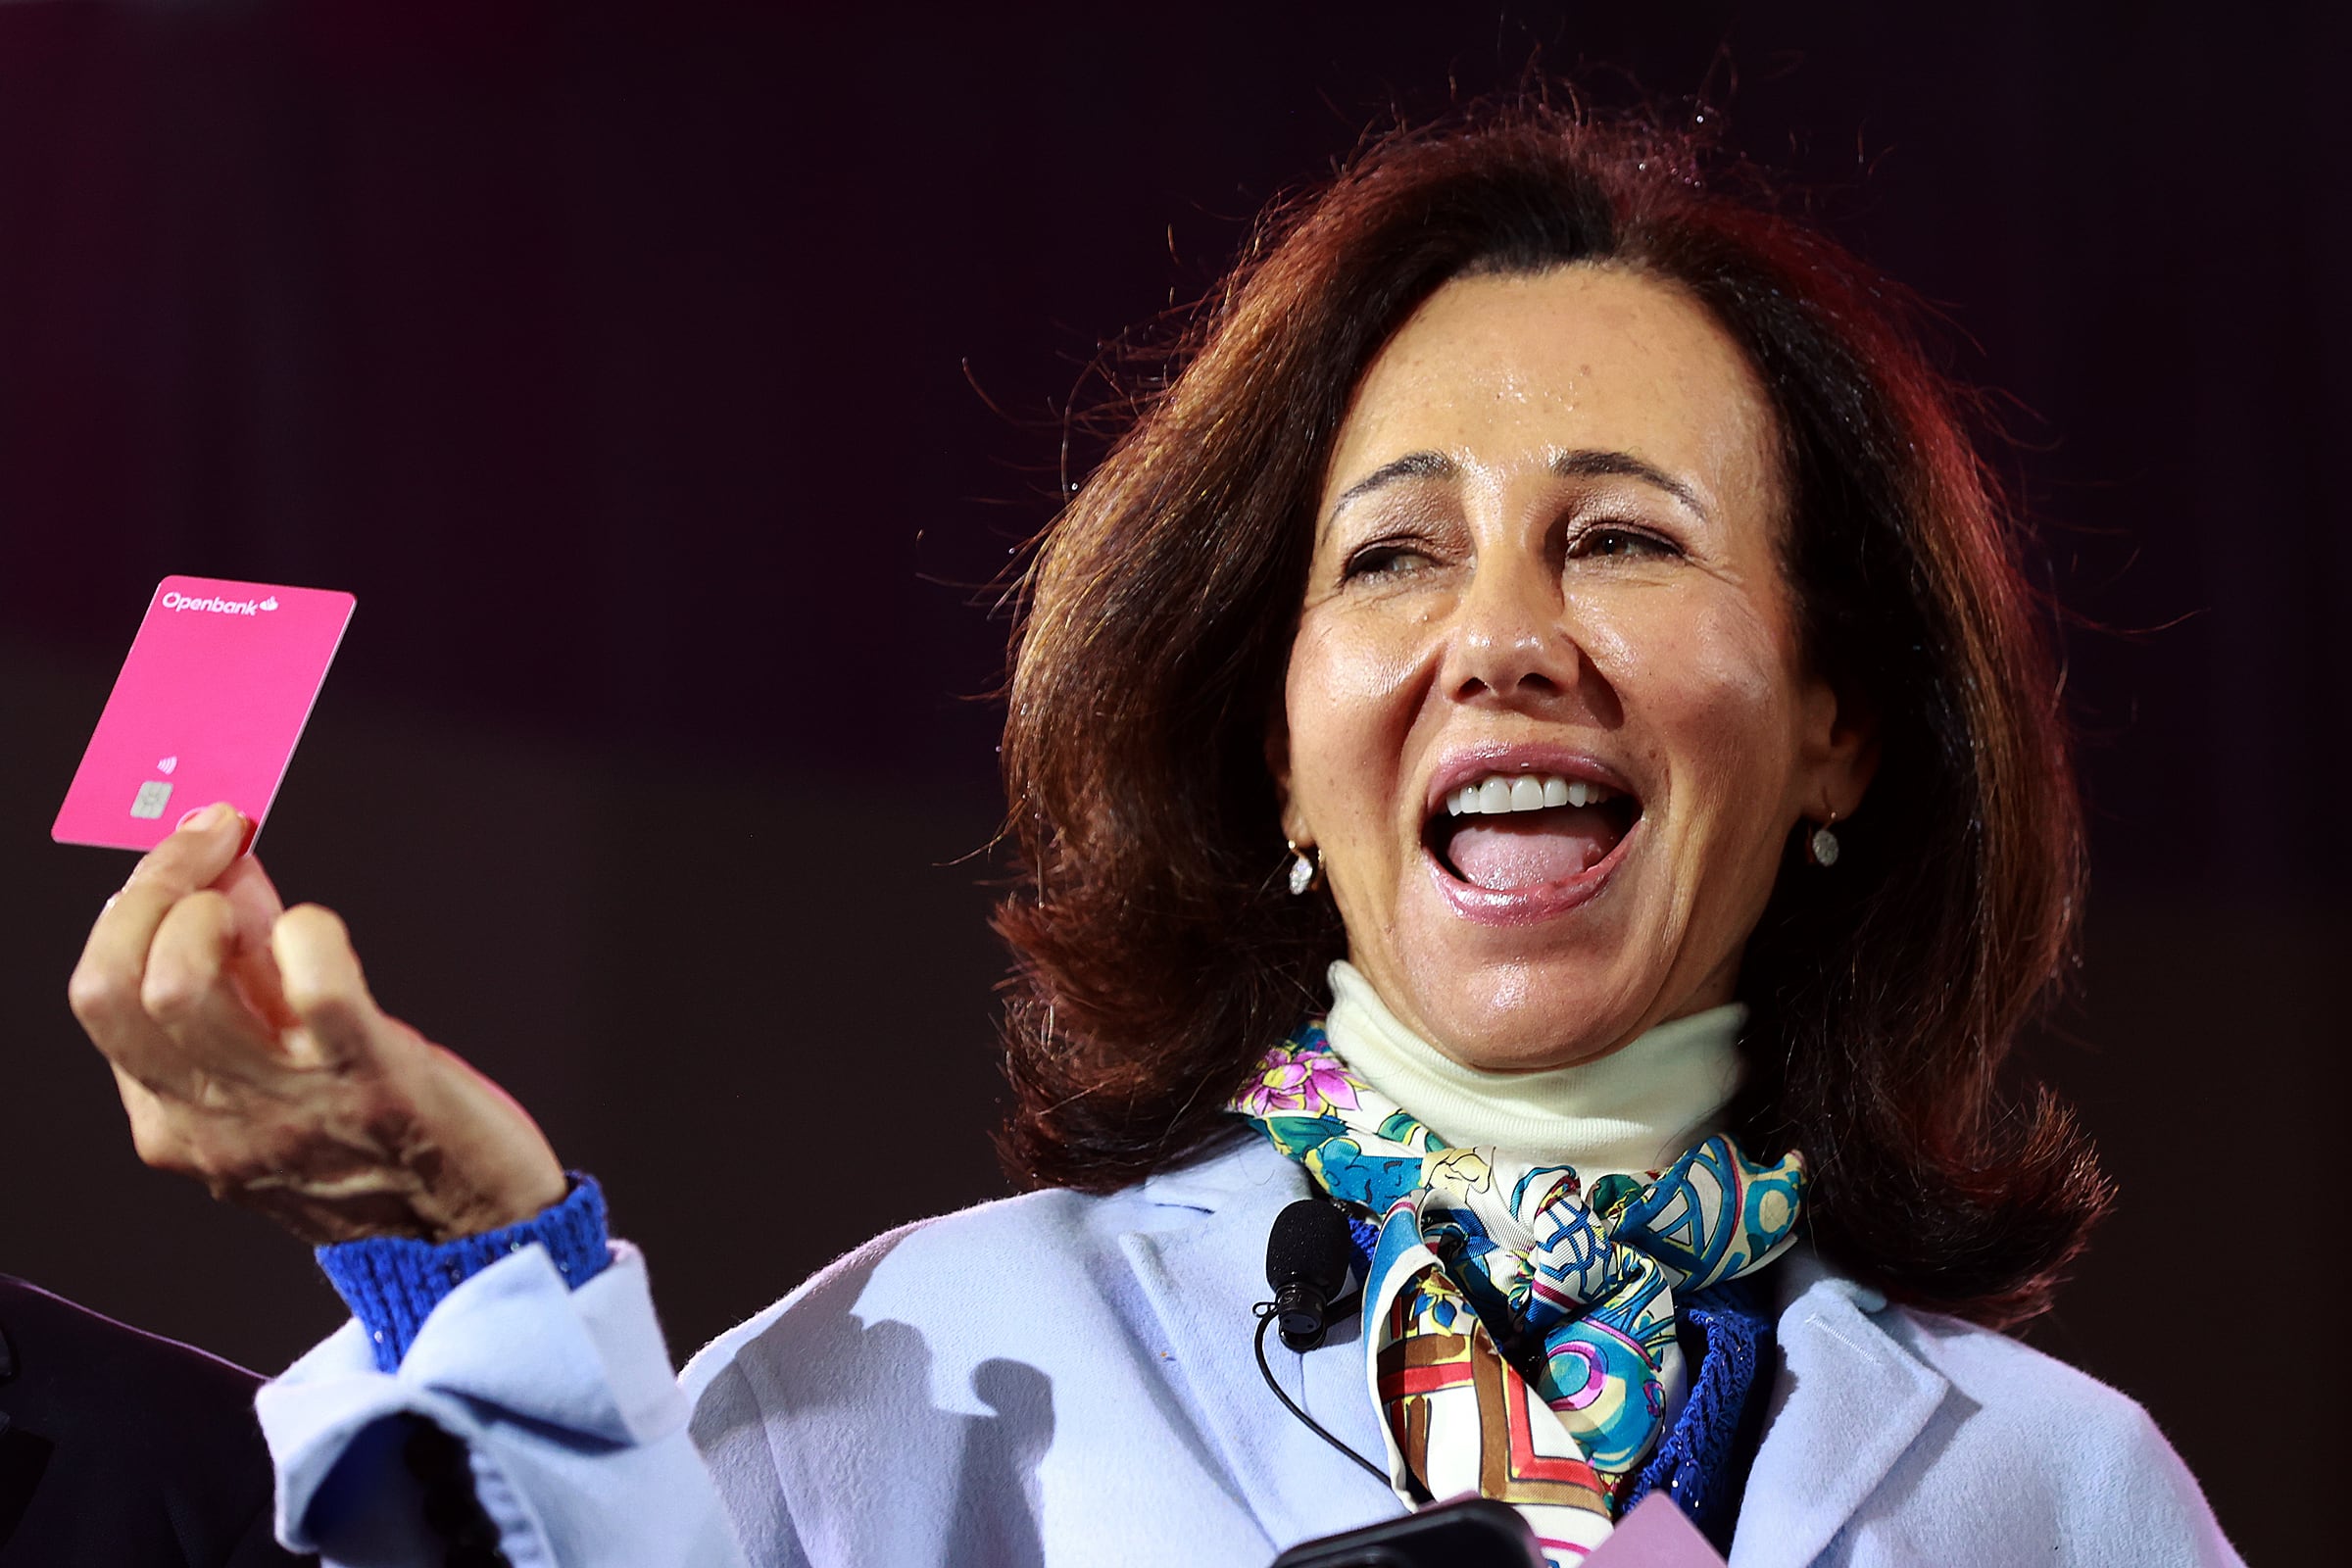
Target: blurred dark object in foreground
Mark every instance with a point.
(120, 1449)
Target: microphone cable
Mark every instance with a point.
(1266, 1313)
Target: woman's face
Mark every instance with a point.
(1547, 717)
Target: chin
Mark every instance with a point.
(1524, 1016)
(1554, 988)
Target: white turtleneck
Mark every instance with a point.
(1636, 1109)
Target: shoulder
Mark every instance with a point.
(2022, 1396)
(1990, 1445)
(1015, 1339)
(998, 1266)
(2069, 1460)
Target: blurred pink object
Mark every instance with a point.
(1654, 1535)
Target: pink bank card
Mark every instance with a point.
(212, 696)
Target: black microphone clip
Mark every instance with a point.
(1307, 1254)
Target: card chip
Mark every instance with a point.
(151, 799)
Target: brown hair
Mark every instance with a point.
(1158, 953)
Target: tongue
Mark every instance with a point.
(1528, 847)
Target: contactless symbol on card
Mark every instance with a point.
(212, 696)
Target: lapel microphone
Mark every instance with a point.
(1307, 1254)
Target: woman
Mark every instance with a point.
(1558, 608)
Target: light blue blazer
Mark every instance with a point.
(1065, 1380)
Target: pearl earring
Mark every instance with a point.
(1821, 847)
(1304, 872)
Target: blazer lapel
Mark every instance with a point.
(1848, 1404)
(1202, 1276)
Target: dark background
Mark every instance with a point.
(653, 374)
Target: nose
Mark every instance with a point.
(1510, 640)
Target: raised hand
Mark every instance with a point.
(251, 1056)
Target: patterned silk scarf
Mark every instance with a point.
(1519, 1330)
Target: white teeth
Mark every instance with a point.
(1522, 792)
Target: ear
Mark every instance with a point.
(1278, 766)
(1839, 751)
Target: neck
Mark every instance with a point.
(1635, 1110)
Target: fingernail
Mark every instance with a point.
(206, 818)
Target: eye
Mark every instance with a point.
(1617, 541)
(1390, 559)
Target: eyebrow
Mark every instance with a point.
(1412, 466)
(1592, 464)
(1587, 462)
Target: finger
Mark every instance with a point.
(104, 991)
(188, 992)
(251, 965)
(198, 850)
(339, 1021)
(254, 897)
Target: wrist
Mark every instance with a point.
(393, 1283)
(441, 1222)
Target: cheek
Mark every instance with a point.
(1350, 697)
(1731, 715)
(1715, 688)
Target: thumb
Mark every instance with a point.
(336, 1021)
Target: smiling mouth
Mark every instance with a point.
(1508, 832)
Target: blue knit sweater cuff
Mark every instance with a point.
(393, 1283)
